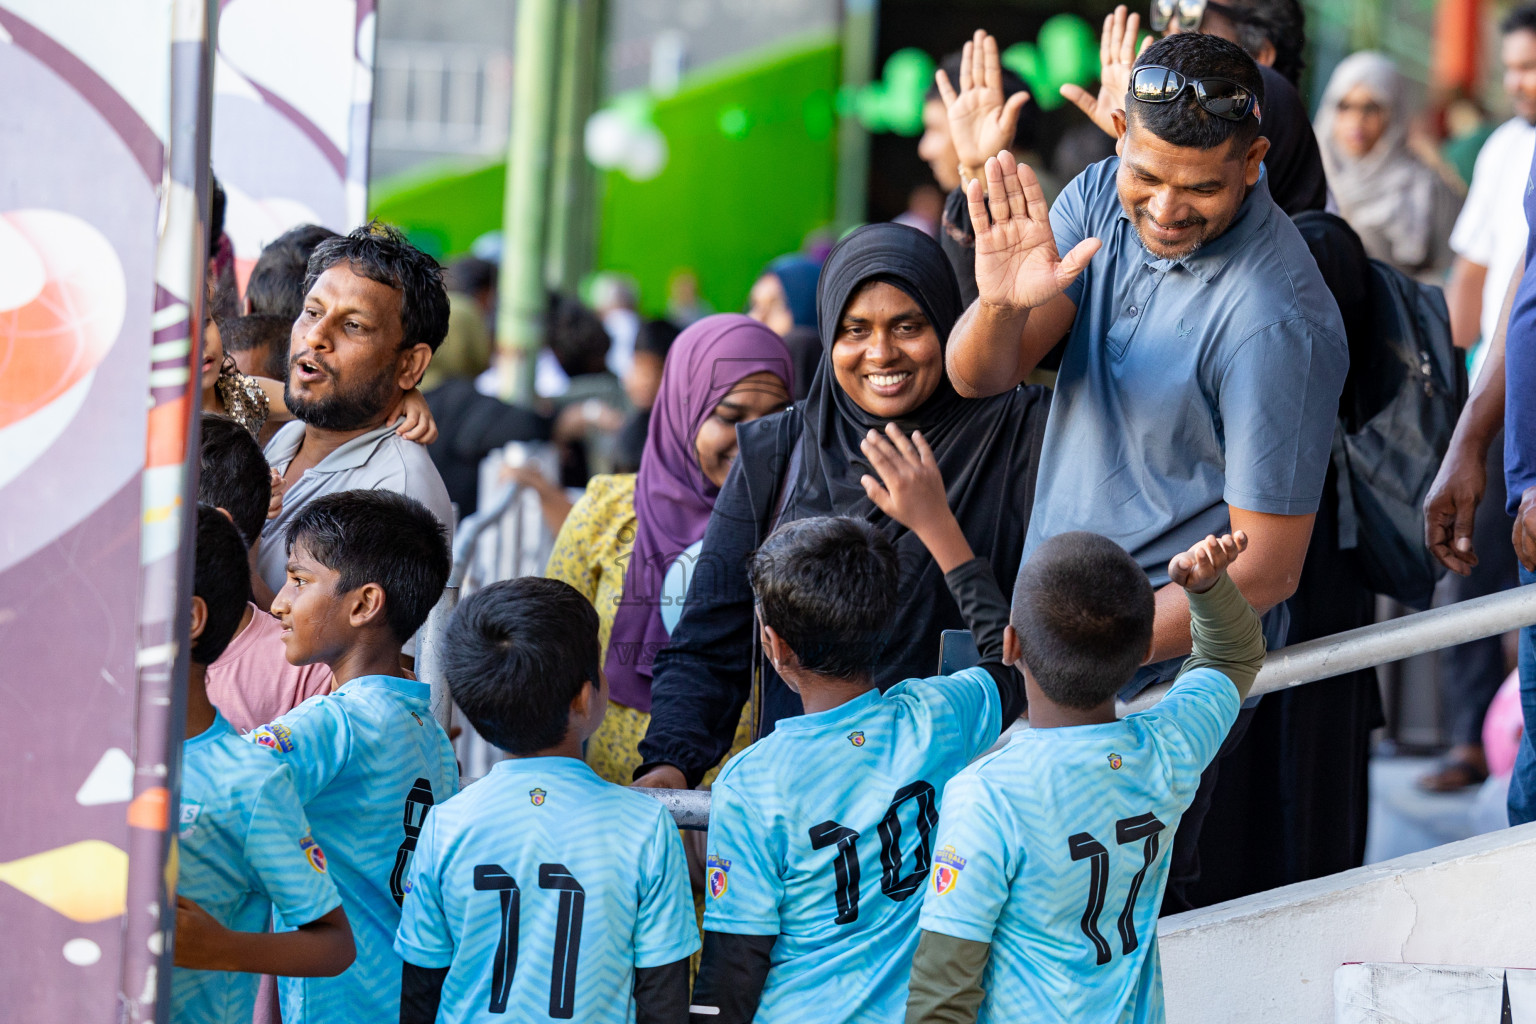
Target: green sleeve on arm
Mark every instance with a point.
(1227, 634)
(946, 980)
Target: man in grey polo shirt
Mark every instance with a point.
(374, 312)
(1205, 355)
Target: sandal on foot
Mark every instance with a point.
(1453, 776)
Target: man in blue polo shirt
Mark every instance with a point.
(1204, 354)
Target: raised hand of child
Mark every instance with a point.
(275, 503)
(198, 937)
(910, 490)
(1198, 569)
(419, 426)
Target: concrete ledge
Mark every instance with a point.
(1272, 957)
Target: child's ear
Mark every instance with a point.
(588, 700)
(199, 618)
(1012, 652)
(367, 606)
(774, 647)
(581, 704)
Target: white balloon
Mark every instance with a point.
(647, 154)
(606, 137)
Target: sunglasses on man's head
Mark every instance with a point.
(1190, 13)
(1153, 83)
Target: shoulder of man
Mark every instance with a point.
(283, 445)
(407, 467)
(1093, 191)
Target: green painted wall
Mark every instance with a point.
(751, 171)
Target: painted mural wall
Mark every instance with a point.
(103, 146)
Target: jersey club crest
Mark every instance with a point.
(1115, 762)
(313, 853)
(274, 736)
(856, 738)
(717, 870)
(536, 797)
(947, 865)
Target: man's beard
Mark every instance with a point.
(345, 408)
(1160, 249)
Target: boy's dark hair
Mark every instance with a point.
(1281, 23)
(381, 253)
(1026, 133)
(576, 336)
(235, 475)
(1184, 122)
(827, 585)
(264, 331)
(276, 286)
(1082, 608)
(222, 578)
(378, 537)
(1519, 19)
(515, 655)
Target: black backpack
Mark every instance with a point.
(1406, 386)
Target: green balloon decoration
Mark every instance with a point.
(895, 103)
(1066, 51)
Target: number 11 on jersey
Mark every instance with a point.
(1083, 846)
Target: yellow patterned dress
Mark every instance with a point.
(590, 554)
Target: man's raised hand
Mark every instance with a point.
(1017, 265)
(1198, 569)
(980, 122)
(1117, 53)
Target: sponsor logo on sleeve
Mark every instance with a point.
(1115, 761)
(856, 738)
(274, 736)
(947, 865)
(313, 853)
(190, 809)
(717, 870)
(536, 797)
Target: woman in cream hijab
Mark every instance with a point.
(1402, 209)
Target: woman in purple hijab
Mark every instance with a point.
(628, 532)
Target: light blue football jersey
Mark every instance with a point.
(245, 847)
(1055, 850)
(368, 762)
(542, 888)
(821, 833)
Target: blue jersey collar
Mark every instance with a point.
(832, 716)
(404, 687)
(215, 732)
(542, 766)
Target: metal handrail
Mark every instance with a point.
(472, 528)
(1295, 665)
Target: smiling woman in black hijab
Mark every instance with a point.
(886, 303)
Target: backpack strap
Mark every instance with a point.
(1349, 516)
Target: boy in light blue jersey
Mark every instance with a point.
(542, 892)
(368, 759)
(820, 834)
(245, 847)
(1052, 853)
